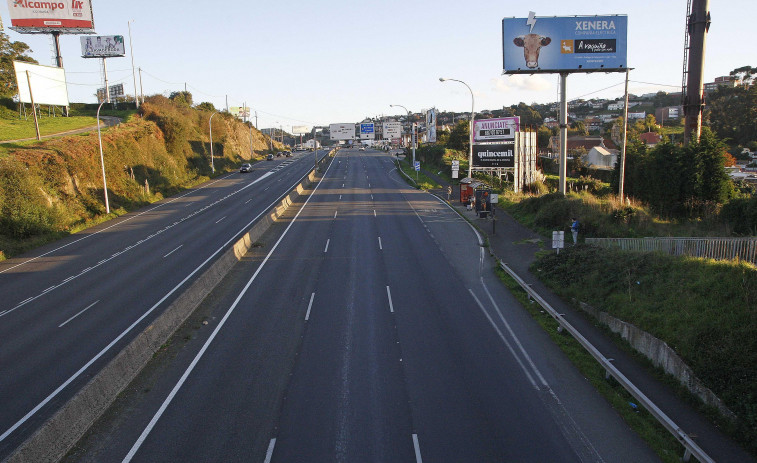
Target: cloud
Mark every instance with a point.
(519, 82)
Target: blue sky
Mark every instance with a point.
(315, 63)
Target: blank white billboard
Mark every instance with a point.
(342, 131)
(392, 130)
(300, 129)
(48, 84)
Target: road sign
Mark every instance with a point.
(455, 165)
(494, 198)
(417, 166)
(558, 239)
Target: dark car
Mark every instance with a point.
(246, 168)
(288, 154)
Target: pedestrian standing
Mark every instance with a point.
(574, 229)
(449, 192)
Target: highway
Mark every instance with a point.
(369, 327)
(68, 307)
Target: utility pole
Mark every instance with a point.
(697, 26)
(141, 90)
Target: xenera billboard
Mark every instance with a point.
(559, 44)
(342, 131)
(102, 46)
(502, 128)
(494, 155)
(65, 16)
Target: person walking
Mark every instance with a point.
(574, 229)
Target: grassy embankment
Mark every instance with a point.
(54, 187)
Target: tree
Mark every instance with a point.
(9, 52)
(459, 137)
(206, 106)
(181, 98)
(580, 128)
(733, 113)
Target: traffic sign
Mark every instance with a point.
(417, 166)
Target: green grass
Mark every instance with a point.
(423, 182)
(642, 422)
(14, 129)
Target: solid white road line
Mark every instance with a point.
(327, 245)
(504, 340)
(269, 453)
(380, 247)
(173, 251)
(221, 219)
(85, 309)
(210, 339)
(310, 305)
(417, 447)
(389, 294)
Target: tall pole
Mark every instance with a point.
(210, 122)
(698, 25)
(107, 90)
(102, 159)
(133, 73)
(58, 57)
(472, 122)
(623, 151)
(563, 131)
(141, 91)
(34, 109)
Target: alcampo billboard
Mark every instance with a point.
(564, 44)
(65, 16)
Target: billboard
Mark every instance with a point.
(102, 46)
(300, 129)
(48, 84)
(392, 130)
(564, 44)
(367, 131)
(431, 125)
(499, 129)
(65, 16)
(342, 131)
(115, 91)
(494, 155)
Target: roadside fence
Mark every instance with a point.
(744, 249)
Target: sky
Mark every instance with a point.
(303, 62)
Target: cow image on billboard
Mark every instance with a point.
(564, 44)
(431, 125)
(102, 46)
(64, 16)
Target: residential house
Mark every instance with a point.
(650, 138)
(600, 157)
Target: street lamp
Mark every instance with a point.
(210, 122)
(102, 160)
(412, 139)
(472, 116)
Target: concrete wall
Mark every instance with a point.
(661, 355)
(61, 432)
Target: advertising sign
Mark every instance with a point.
(342, 131)
(65, 16)
(102, 46)
(115, 91)
(300, 129)
(48, 84)
(499, 129)
(367, 131)
(494, 155)
(431, 125)
(553, 44)
(392, 130)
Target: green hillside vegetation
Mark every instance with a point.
(705, 310)
(54, 187)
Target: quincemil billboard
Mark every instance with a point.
(65, 16)
(494, 155)
(564, 44)
(102, 46)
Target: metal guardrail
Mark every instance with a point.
(712, 248)
(691, 448)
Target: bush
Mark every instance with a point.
(23, 209)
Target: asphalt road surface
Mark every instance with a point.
(67, 308)
(368, 328)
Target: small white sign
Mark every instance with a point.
(494, 198)
(558, 239)
(455, 165)
(454, 173)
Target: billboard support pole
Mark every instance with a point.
(563, 131)
(34, 110)
(58, 57)
(623, 151)
(102, 160)
(107, 90)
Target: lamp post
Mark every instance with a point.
(133, 72)
(210, 122)
(472, 117)
(102, 160)
(412, 139)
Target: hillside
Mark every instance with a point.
(54, 187)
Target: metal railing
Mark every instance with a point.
(711, 248)
(691, 448)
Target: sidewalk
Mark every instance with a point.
(516, 246)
